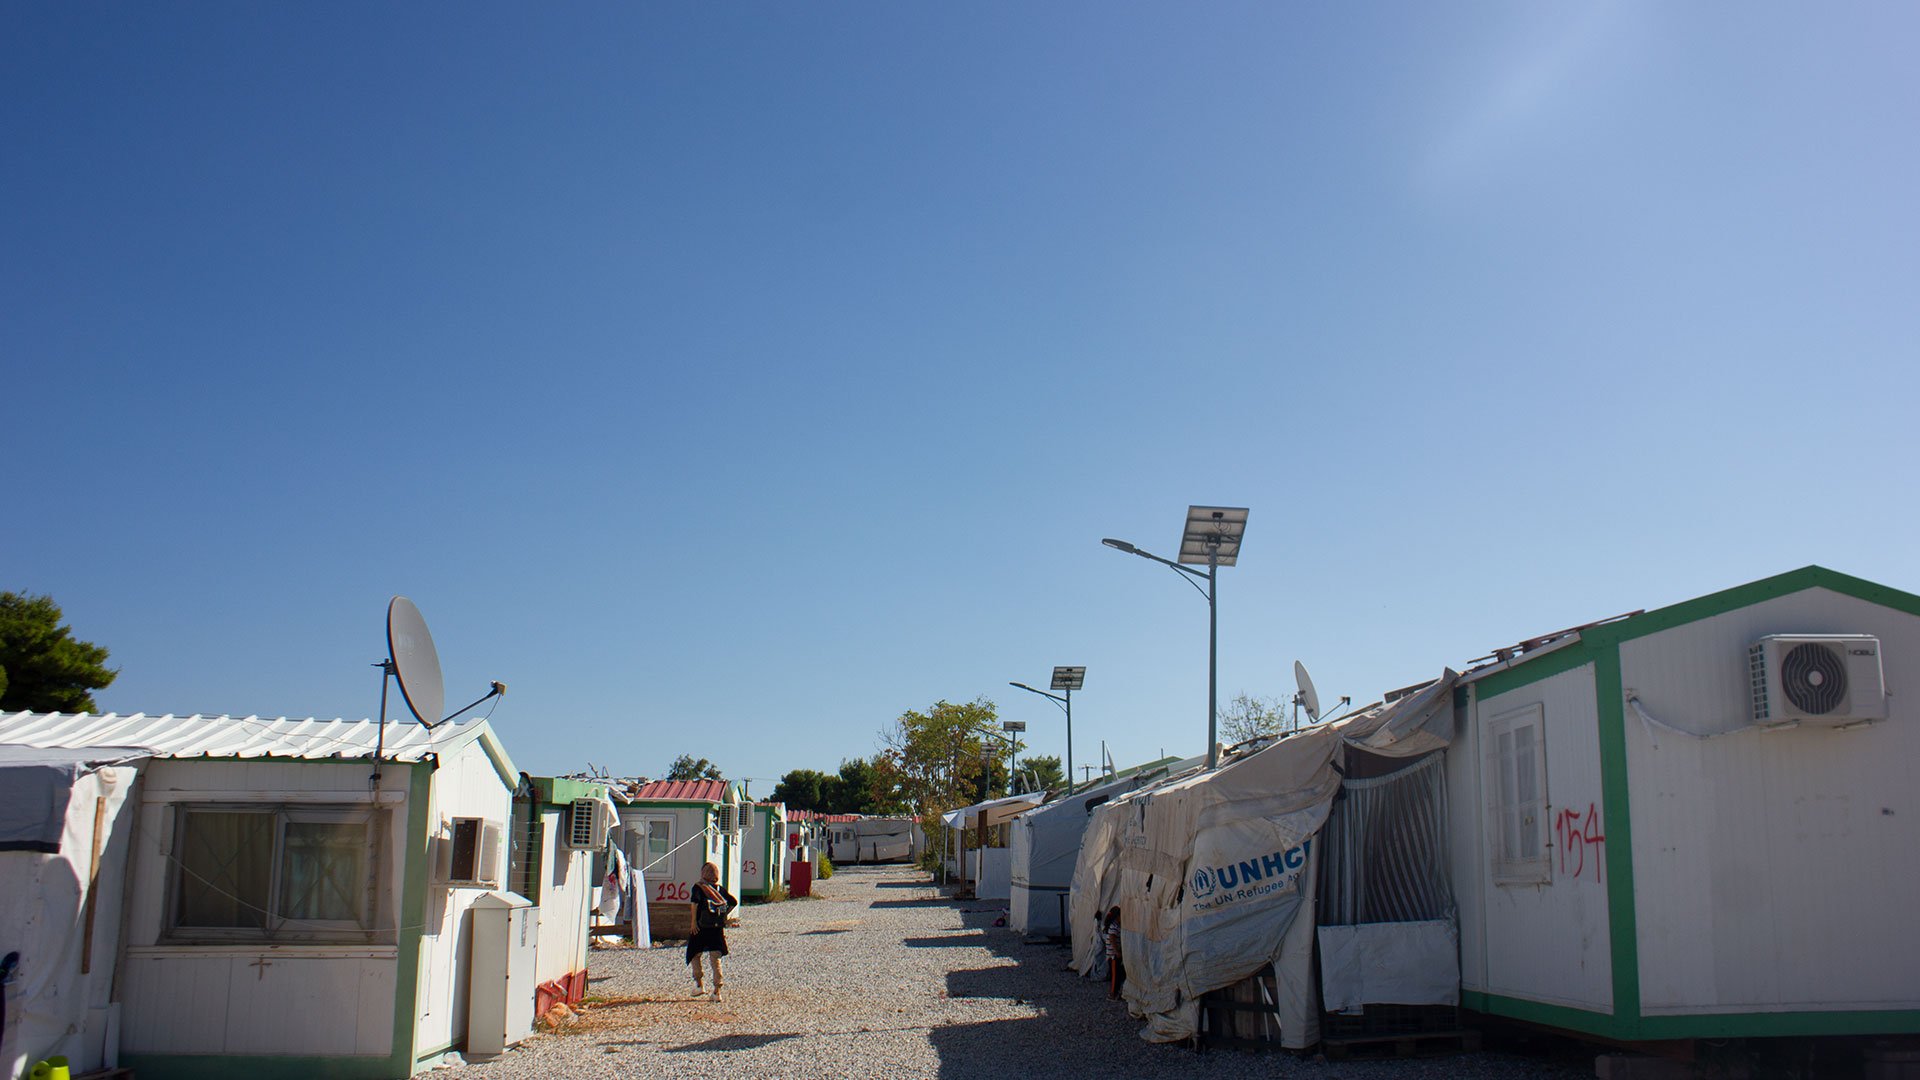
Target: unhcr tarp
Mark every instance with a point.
(1215, 874)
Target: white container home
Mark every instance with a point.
(559, 826)
(674, 826)
(1698, 822)
(287, 912)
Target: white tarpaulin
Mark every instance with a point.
(1390, 963)
(60, 910)
(1211, 873)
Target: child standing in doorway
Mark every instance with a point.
(1110, 929)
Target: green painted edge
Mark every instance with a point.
(1565, 658)
(562, 790)
(1760, 1025)
(260, 1067)
(1539, 1012)
(1623, 917)
(1751, 1025)
(1598, 638)
(413, 909)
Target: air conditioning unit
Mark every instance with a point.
(728, 818)
(469, 853)
(585, 826)
(1830, 679)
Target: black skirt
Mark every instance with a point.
(712, 939)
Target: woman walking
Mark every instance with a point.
(711, 905)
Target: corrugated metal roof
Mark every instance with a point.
(172, 736)
(687, 790)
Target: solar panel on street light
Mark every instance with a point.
(1069, 678)
(1213, 529)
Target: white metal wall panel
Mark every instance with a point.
(465, 785)
(753, 862)
(1466, 830)
(175, 1004)
(566, 889)
(1547, 943)
(1774, 870)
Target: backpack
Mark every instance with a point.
(706, 910)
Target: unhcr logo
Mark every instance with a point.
(1248, 877)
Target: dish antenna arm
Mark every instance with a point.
(498, 688)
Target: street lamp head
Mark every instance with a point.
(1021, 686)
(1120, 545)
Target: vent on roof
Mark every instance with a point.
(1829, 679)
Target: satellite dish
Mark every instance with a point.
(1308, 696)
(416, 663)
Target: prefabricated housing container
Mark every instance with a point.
(1682, 824)
(284, 910)
(763, 863)
(559, 826)
(674, 826)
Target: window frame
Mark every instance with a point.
(373, 926)
(648, 857)
(1534, 867)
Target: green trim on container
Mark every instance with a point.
(1688, 611)
(1623, 916)
(260, 1067)
(1565, 1017)
(1760, 1025)
(561, 790)
(1565, 658)
(412, 918)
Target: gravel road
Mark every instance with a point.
(878, 975)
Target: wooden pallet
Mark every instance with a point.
(1408, 1044)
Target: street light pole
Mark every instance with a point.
(1212, 535)
(1067, 679)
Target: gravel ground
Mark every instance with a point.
(879, 975)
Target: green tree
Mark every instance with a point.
(945, 758)
(43, 668)
(1248, 717)
(686, 767)
(1042, 773)
(866, 787)
(805, 789)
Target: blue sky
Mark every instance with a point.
(729, 379)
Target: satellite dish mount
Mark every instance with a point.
(414, 663)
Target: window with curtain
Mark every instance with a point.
(292, 873)
(1516, 780)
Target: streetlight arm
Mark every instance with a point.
(1058, 701)
(1190, 574)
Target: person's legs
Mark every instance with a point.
(698, 986)
(715, 955)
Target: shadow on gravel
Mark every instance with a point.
(732, 1042)
(994, 982)
(903, 885)
(829, 930)
(948, 941)
(940, 901)
(997, 1049)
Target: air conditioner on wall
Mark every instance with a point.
(585, 826)
(1827, 679)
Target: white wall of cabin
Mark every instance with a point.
(1538, 942)
(253, 998)
(465, 785)
(1773, 870)
(566, 895)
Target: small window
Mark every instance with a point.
(1516, 786)
(311, 873)
(656, 843)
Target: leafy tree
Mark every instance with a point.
(1043, 773)
(937, 758)
(1247, 717)
(806, 789)
(43, 668)
(866, 787)
(685, 767)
